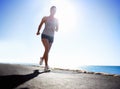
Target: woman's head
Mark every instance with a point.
(53, 10)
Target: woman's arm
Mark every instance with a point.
(57, 25)
(41, 23)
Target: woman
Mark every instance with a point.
(47, 36)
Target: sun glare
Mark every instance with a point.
(66, 15)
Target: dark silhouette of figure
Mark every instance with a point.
(47, 36)
(12, 81)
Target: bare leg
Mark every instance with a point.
(43, 57)
(47, 47)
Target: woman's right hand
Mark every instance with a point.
(37, 33)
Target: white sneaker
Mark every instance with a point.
(41, 61)
(46, 69)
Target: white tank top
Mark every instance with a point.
(50, 25)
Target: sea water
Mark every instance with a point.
(103, 69)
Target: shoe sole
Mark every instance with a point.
(47, 70)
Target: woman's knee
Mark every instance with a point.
(46, 50)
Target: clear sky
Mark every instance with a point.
(89, 32)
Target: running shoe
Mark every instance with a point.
(41, 61)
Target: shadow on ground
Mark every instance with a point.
(13, 81)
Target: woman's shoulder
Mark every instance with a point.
(45, 18)
(56, 20)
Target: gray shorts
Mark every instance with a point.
(49, 38)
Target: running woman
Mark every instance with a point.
(47, 36)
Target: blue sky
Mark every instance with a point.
(88, 34)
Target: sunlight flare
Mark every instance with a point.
(66, 14)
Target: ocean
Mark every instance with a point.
(103, 69)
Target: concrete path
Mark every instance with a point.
(13, 76)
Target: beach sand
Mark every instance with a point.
(17, 76)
